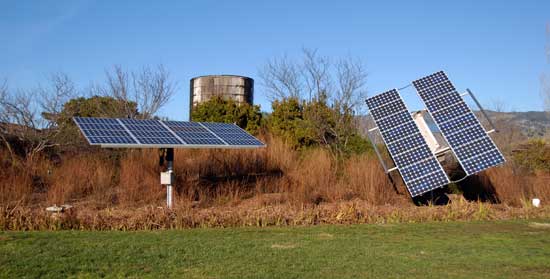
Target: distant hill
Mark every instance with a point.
(530, 123)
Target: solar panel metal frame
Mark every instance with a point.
(441, 77)
(138, 144)
(378, 102)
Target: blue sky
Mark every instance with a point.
(495, 49)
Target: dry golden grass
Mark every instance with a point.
(82, 178)
(275, 185)
(187, 216)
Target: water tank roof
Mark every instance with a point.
(224, 75)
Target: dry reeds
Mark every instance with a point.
(273, 185)
(186, 216)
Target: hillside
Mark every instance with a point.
(530, 123)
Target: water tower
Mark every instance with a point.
(237, 88)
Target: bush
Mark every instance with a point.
(305, 124)
(533, 156)
(219, 109)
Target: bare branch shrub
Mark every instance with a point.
(332, 93)
(281, 78)
(150, 89)
(30, 114)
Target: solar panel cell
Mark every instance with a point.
(428, 183)
(388, 109)
(383, 99)
(412, 156)
(150, 131)
(193, 133)
(112, 140)
(399, 132)
(451, 112)
(458, 124)
(430, 80)
(420, 169)
(393, 120)
(483, 161)
(104, 130)
(475, 147)
(437, 90)
(465, 136)
(443, 101)
(230, 133)
(404, 144)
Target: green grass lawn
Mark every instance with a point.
(517, 249)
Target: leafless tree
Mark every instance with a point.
(30, 114)
(150, 89)
(52, 98)
(321, 83)
(281, 78)
(351, 77)
(341, 82)
(316, 75)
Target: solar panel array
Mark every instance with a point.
(417, 165)
(112, 132)
(474, 149)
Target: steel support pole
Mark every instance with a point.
(169, 187)
(481, 109)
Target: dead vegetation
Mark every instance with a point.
(219, 188)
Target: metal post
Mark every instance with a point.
(481, 109)
(377, 152)
(170, 164)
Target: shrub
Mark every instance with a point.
(218, 109)
(533, 156)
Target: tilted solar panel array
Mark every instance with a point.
(473, 148)
(418, 166)
(112, 132)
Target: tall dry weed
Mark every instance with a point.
(314, 178)
(365, 179)
(139, 180)
(83, 178)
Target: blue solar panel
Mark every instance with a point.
(148, 131)
(420, 170)
(429, 81)
(231, 133)
(110, 132)
(394, 120)
(382, 99)
(473, 148)
(193, 133)
(407, 143)
(104, 130)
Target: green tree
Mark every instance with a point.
(287, 121)
(218, 109)
(327, 94)
(303, 124)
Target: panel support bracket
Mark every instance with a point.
(471, 94)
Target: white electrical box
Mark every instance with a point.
(167, 178)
